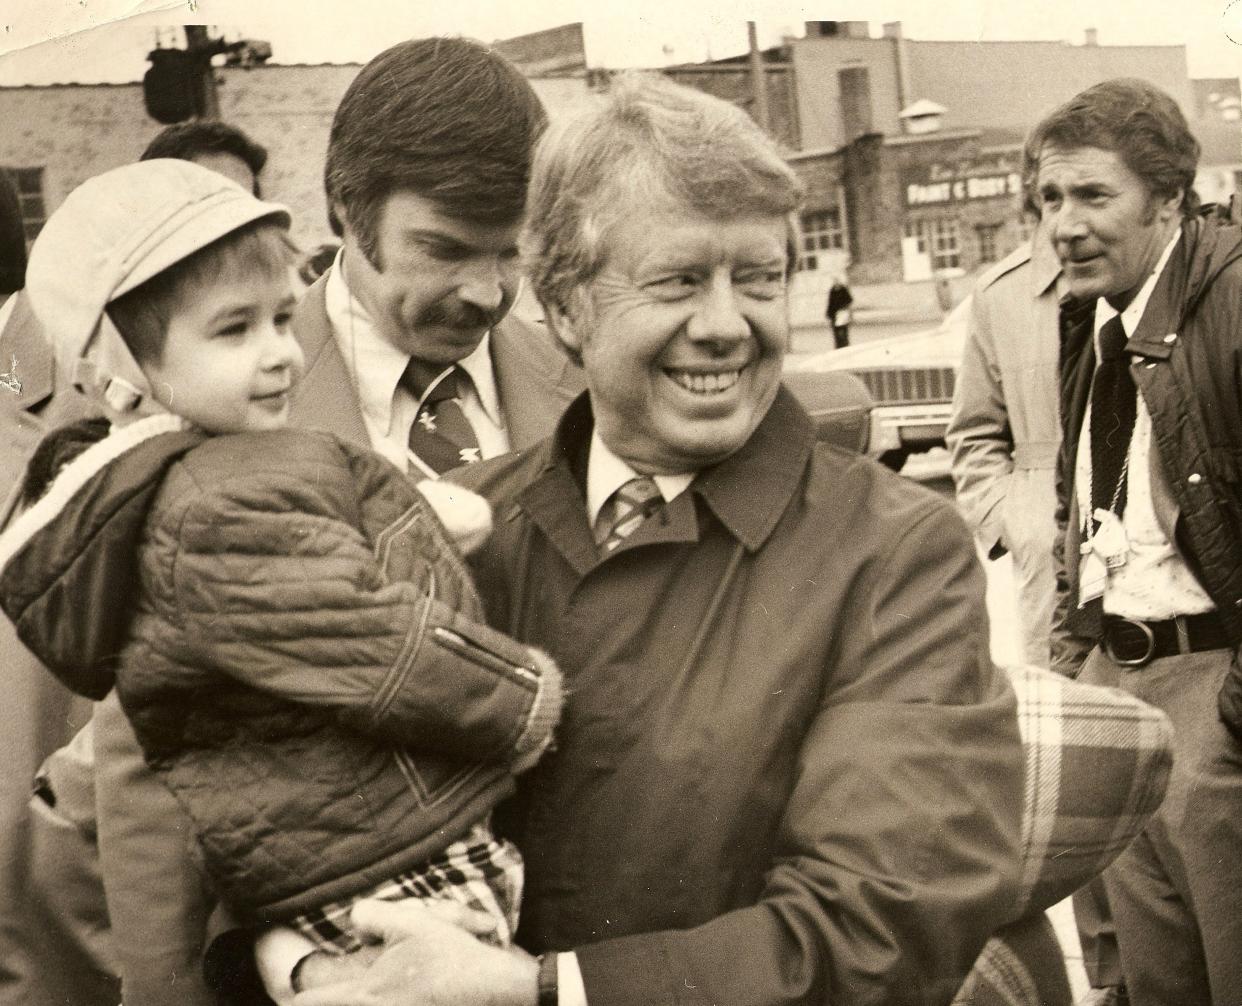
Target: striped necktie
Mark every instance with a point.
(441, 436)
(625, 510)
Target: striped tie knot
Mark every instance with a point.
(625, 510)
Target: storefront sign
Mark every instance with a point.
(944, 183)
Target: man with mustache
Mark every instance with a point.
(426, 179)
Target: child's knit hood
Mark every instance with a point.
(68, 566)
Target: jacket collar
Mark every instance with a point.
(1158, 327)
(1207, 247)
(324, 397)
(1045, 266)
(747, 492)
(750, 490)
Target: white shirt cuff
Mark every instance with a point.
(570, 989)
(277, 952)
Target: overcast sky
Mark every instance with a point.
(107, 40)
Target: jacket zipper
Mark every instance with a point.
(471, 651)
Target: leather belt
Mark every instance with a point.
(1134, 643)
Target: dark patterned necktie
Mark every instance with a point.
(441, 436)
(1114, 405)
(625, 510)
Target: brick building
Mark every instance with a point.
(55, 137)
(909, 149)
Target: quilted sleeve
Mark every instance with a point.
(269, 581)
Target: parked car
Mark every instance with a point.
(837, 402)
(910, 378)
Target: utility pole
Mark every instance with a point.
(201, 48)
(758, 79)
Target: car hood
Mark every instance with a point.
(940, 346)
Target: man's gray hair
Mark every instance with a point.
(653, 140)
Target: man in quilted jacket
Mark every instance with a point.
(1150, 583)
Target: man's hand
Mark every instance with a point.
(322, 968)
(427, 961)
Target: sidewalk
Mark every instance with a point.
(1062, 916)
(898, 303)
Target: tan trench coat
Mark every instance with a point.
(1004, 432)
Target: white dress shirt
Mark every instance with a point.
(375, 366)
(606, 473)
(1154, 583)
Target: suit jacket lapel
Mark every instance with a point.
(45, 401)
(534, 379)
(24, 343)
(325, 397)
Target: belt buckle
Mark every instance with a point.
(1149, 639)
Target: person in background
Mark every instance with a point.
(788, 771)
(12, 239)
(54, 946)
(838, 312)
(55, 941)
(1004, 435)
(1149, 585)
(213, 144)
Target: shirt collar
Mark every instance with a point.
(748, 491)
(606, 473)
(375, 365)
(1133, 313)
(479, 366)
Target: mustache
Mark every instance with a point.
(457, 314)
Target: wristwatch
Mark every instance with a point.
(549, 995)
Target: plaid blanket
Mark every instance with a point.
(477, 871)
(1097, 763)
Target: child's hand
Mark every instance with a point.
(464, 514)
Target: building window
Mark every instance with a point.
(988, 246)
(821, 231)
(939, 239)
(30, 196)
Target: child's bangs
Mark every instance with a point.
(261, 248)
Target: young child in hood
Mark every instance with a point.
(285, 616)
